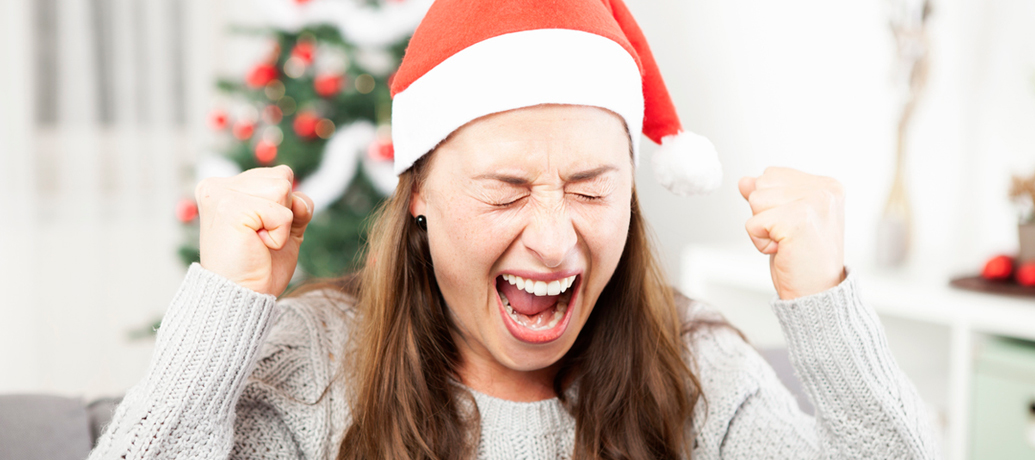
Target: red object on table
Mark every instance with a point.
(998, 268)
(1026, 274)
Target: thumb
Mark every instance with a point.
(746, 185)
(302, 207)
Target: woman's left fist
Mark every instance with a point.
(799, 221)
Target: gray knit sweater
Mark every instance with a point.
(239, 374)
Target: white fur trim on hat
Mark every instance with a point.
(687, 164)
(511, 71)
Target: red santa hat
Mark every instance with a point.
(471, 58)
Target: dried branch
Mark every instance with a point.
(1022, 192)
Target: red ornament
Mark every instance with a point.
(327, 85)
(998, 268)
(272, 114)
(217, 120)
(381, 150)
(1026, 274)
(305, 124)
(304, 51)
(261, 75)
(265, 152)
(243, 130)
(301, 2)
(186, 210)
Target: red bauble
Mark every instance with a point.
(305, 125)
(302, 2)
(186, 210)
(272, 114)
(217, 120)
(998, 268)
(381, 150)
(327, 85)
(304, 51)
(243, 130)
(261, 75)
(265, 152)
(1026, 274)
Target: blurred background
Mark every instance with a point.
(113, 109)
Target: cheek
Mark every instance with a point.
(605, 233)
(465, 245)
(605, 229)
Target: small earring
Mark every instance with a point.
(422, 222)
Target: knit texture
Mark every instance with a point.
(238, 374)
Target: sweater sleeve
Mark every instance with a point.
(865, 406)
(206, 348)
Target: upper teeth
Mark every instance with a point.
(541, 288)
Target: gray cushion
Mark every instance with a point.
(43, 427)
(100, 412)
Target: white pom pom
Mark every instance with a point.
(687, 164)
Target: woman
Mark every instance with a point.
(511, 306)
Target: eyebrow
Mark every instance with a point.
(591, 173)
(576, 177)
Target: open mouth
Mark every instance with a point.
(536, 311)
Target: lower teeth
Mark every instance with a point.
(537, 323)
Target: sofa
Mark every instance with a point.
(47, 427)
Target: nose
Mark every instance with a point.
(550, 235)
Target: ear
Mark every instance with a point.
(418, 205)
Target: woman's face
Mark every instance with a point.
(527, 216)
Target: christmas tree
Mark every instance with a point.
(318, 102)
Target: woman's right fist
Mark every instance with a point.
(251, 227)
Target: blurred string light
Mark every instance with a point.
(365, 83)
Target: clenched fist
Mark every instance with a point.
(799, 221)
(251, 227)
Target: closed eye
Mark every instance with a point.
(585, 197)
(506, 204)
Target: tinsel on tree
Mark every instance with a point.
(318, 102)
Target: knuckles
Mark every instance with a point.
(282, 189)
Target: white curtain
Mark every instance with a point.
(103, 104)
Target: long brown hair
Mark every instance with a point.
(635, 391)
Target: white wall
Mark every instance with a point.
(802, 83)
(18, 362)
(87, 231)
(808, 84)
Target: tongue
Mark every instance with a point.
(523, 302)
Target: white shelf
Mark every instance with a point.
(905, 293)
(918, 292)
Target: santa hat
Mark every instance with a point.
(471, 58)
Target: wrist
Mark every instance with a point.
(828, 283)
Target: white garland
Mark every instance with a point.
(381, 174)
(338, 165)
(364, 25)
